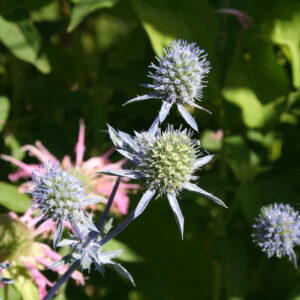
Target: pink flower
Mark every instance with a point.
(97, 184)
(24, 250)
(218, 135)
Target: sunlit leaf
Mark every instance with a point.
(12, 199)
(24, 41)
(84, 7)
(4, 110)
(23, 283)
(162, 24)
(128, 255)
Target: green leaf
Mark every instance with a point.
(128, 254)
(281, 25)
(211, 141)
(23, 283)
(12, 199)
(24, 41)
(256, 82)
(162, 23)
(242, 160)
(15, 148)
(84, 7)
(4, 111)
(12, 292)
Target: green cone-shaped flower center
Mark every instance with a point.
(168, 161)
(16, 238)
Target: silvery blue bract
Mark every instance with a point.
(4, 279)
(277, 231)
(91, 252)
(60, 195)
(166, 161)
(178, 78)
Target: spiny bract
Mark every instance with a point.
(166, 161)
(90, 252)
(277, 231)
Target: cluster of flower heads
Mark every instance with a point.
(165, 160)
(277, 231)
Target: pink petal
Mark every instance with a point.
(25, 171)
(40, 152)
(66, 162)
(80, 148)
(40, 280)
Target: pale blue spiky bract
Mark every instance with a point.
(277, 231)
(178, 78)
(60, 195)
(90, 252)
(166, 161)
(4, 279)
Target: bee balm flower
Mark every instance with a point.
(19, 246)
(178, 79)
(98, 185)
(166, 161)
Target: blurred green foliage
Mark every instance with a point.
(64, 60)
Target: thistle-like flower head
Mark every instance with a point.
(277, 231)
(60, 195)
(178, 78)
(166, 161)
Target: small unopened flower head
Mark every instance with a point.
(60, 195)
(92, 253)
(178, 78)
(277, 231)
(167, 160)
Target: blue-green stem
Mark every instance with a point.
(62, 280)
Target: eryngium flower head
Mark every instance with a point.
(178, 78)
(166, 161)
(277, 231)
(60, 196)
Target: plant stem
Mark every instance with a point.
(6, 292)
(110, 200)
(109, 203)
(61, 280)
(118, 229)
